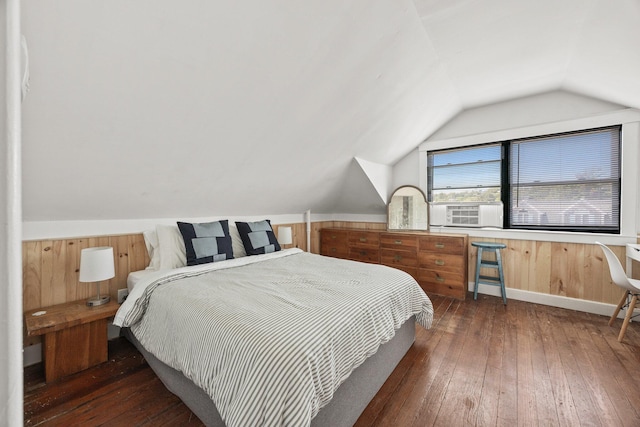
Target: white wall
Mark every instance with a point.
(550, 107)
(158, 108)
(407, 170)
(37, 230)
(11, 388)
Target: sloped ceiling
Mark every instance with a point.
(157, 108)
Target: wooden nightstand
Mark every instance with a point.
(74, 336)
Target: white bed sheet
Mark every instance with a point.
(136, 276)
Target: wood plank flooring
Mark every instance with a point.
(481, 364)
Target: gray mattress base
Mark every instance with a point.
(348, 402)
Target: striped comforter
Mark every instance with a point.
(270, 338)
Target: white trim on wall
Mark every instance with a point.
(11, 380)
(593, 307)
(38, 230)
(540, 236)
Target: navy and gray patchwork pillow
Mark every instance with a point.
(206, 242)
(258, 237)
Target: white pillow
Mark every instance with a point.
(170, 247)
(151, 242)
(236, 242)
(165, 246)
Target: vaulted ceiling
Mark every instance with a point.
(158, 109)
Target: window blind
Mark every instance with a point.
(469, 174)
(566, 181)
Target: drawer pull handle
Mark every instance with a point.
(397, 258)
(333, 249)
(398, 242)
(440, 245)
(439, 262)
(333, 236)
(363, 239)
(440, 279)
(363, 253)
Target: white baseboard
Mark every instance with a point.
(577, 304)
(33, 353)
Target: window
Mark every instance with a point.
(465, 175)
(564, 182)
(569, 181)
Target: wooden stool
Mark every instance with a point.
(497, 264)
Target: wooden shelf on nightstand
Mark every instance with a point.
(74, 336)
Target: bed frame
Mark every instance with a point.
(348, 402)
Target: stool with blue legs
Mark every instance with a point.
(483, 263)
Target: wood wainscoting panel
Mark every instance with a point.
(360, 225)
(573, 270)
(298, 234)
(31, 269)
(51, 268)
(567, 269)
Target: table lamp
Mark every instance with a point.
(96, 264)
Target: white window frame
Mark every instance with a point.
(630, 173)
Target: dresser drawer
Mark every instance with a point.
(442, 244)
(334, 243)
(364, 239)
(364, 255)
(442, 282)
(441, 261)
(398, 258)
(399, 242)
(335, 237)
(334, 251)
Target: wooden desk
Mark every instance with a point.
(74, 336)
(633, 254)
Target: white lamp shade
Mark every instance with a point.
(96, 264)
(284, 235)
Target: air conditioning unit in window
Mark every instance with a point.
(466, 214)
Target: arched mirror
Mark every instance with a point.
(407, 209)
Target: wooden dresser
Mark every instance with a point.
(437, 261)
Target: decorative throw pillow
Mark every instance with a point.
(258, 237)
(206, 242)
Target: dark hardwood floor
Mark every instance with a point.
(481, 364)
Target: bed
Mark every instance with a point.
(286, 338)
